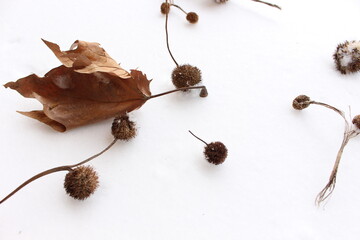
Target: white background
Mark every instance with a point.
(255, 59)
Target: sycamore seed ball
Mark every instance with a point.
(347, 57)
(165, 8)
(192, 17)
(356, 121)
(122, 128)
(81, 182)
(215, 153)
(185, 76)
(301, 102)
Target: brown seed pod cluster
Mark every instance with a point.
(347, 57)
(184, 75)
(191, 17)
(122, 128)
(81, 182)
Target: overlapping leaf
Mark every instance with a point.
(89, 87)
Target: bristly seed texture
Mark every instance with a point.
(81, 182)
(192, 17)
(122, 128)
(301, 102)
(347, 57)
(186, 76)
(215, 152)
(165, 8)
(356, 121)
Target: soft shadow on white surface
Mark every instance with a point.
(254, 59)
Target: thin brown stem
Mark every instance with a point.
(341, 113)
(96, 155)
(167, 36)
(198, 138)
(177, 6)
(269, 4)
(348, 134)
(56, 169)
(330, 186)
(177, 90)
(39, 175)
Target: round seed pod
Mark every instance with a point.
(347, 57)
(192, 17)
(165, 8)
(186, 76)
(301, 102)
(356, 121)
(81, 182)
(122, 128)
(215, 152)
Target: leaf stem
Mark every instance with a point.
(348, 134)
(269, 4)
(198, 138)
(202, 93)
(167, 36)
(177, 6)
(56, 169)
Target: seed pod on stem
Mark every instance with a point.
(122, 128)
(81, 182)
(183, 75)
(302, 102)
(215, 152)
(259, 1)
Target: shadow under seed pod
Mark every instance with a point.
(215, 152)
(81, 182)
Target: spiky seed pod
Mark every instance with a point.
(122, 128)
(356, 121)
(81, 182)
(221, 1)
(185, 76)
(301, 102)
(165, 8)
(192, 17)
(347, 57)
(215, 152)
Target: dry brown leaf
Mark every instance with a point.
(87, 57)
(89, 87)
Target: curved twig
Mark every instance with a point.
(56, 169)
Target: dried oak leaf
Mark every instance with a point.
(89, 87)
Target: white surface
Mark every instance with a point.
(255, 60)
